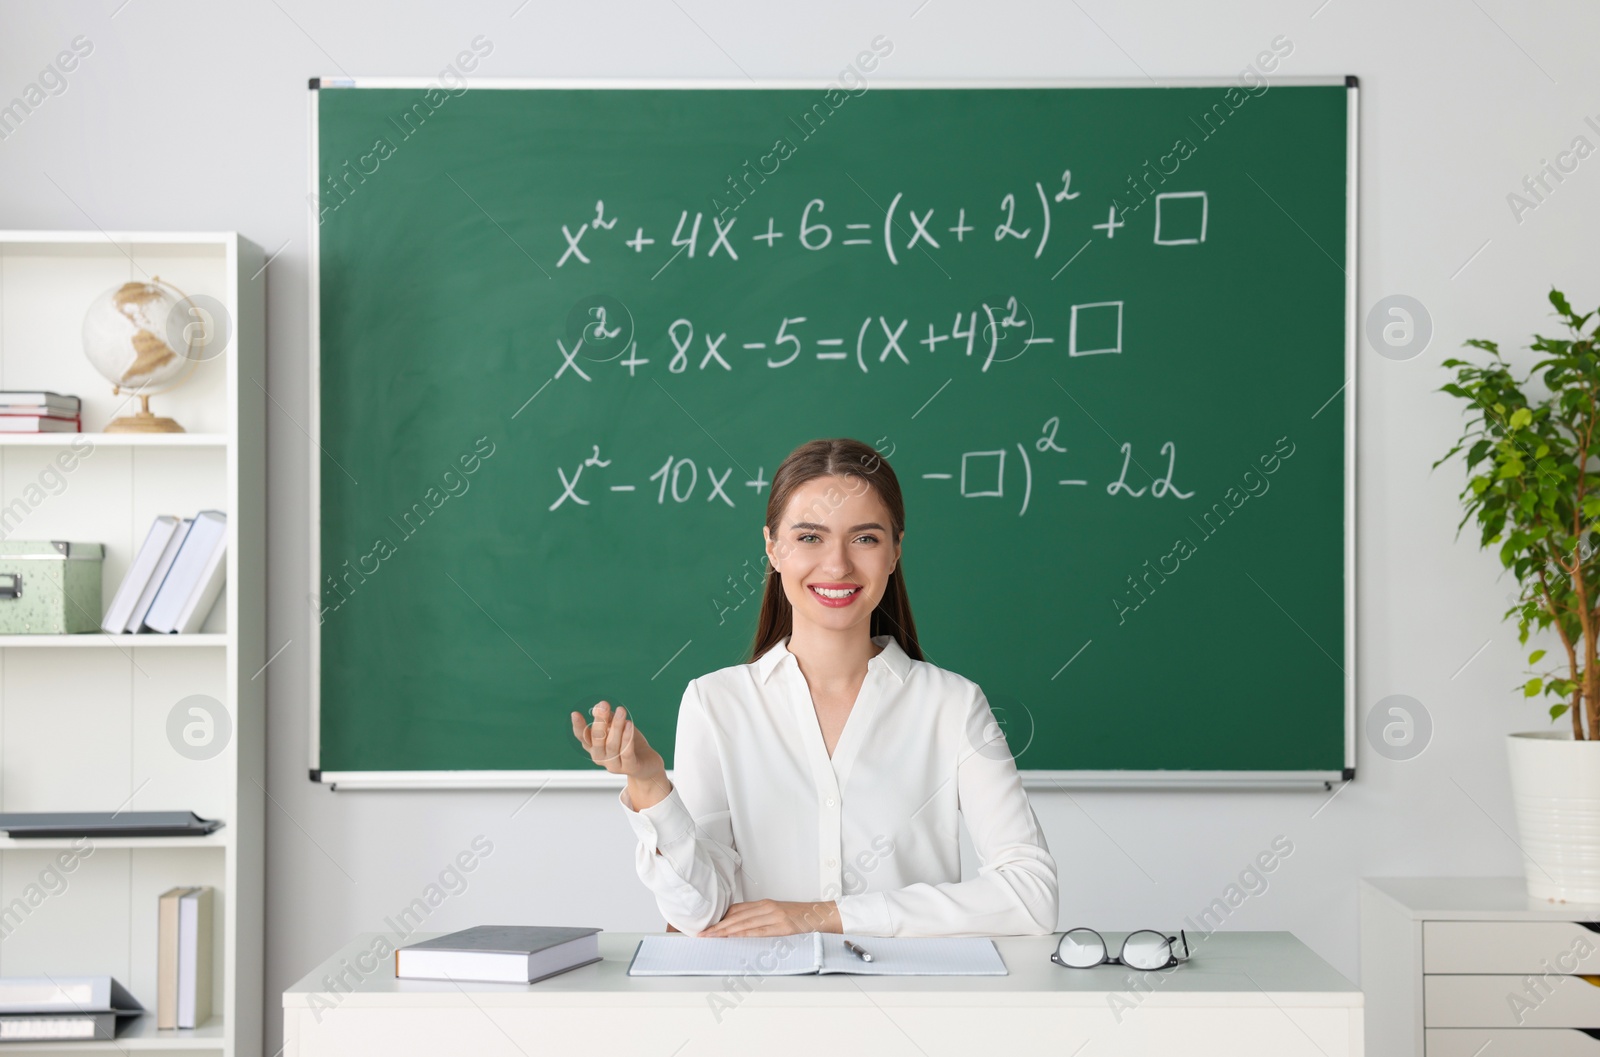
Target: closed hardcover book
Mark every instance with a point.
(141, 608)
(9, 407)
(195, 579)
(12, 422)
(167, 957)
(201, 600)
(56, 403)
(514, 954)
(139, 574)
(194, 957)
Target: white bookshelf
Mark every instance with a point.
(84, 718)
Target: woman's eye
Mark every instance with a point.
(808, 536)
(869, 537)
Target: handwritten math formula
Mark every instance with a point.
(977, 475)
(998, 330)
(1024, 220)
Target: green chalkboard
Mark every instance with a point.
(564, 337)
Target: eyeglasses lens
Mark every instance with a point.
(1146, 950)
(1081, 948)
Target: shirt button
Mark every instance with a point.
(833, 862)
(830, 801)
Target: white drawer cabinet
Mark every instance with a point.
(1469, 966)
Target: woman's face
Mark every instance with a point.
(833, 551)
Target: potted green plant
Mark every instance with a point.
(1534, 489)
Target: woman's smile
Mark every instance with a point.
(835, 595)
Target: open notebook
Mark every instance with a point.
(814, 952)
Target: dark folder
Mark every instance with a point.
(42, 824)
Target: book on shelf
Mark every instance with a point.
(139, 575)
(167, 956)
(183, 957)
(516, 954)
(194, 958)
(175, 577)
(42, 402)
(147, 595)
(41, 1008)
(195, 579)
(29, 422)
(58, 403)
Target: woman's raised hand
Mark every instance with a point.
(614, 743)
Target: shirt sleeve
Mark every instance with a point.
(1015, 892)
(695, 877)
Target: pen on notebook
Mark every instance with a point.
(857, 951)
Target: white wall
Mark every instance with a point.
(193, 116)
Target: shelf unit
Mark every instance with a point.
(85, 719)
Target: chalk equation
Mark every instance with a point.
(997, 331)
(978, 475)
(1180, 218)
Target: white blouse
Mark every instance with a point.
(758, 809)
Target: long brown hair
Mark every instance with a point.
(843, 457)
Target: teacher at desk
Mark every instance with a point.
(817, 788)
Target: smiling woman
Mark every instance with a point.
(835, 742)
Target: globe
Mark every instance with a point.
(126, 337)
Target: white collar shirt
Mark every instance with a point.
(759, 810)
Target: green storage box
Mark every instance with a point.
(49, 588)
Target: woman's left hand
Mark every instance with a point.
(770, 917)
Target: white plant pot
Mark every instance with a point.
(1555, 786)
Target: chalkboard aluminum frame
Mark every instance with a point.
(598, 779)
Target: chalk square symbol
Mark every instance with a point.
(999, 472)
(1186, 218)
(1101, 329)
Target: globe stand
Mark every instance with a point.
(143, 421)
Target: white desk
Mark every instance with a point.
(1244, 993)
